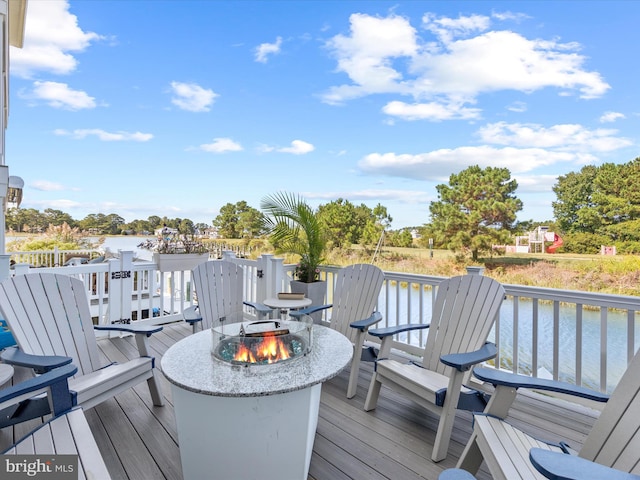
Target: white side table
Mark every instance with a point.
(6, 372)
(286, 304)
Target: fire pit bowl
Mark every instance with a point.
(262, 342)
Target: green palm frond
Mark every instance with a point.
(294, 228)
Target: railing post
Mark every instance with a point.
(263, 272)
(228, 255)
(475, 270)
(5, 267)
(276, 277)
(21, 268)
(120, 288)
(56, 257)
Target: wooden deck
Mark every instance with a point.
(140, 441)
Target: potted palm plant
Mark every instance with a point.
(294, 228)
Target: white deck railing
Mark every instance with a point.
(581, 337)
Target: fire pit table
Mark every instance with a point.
(251, 419)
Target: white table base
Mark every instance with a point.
(261, 438)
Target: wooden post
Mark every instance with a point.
(276, 277)
(4, 267)
(120, 288)
(263, 274)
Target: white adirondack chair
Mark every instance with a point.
(67, 433)
(220, 291)
(355, 295)
(611, 450)
(464, 310)
(49, 317)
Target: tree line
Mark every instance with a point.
(477, 209)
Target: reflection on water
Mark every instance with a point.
(614, 336)
(127, 243)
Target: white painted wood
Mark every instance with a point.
(464, 310)
(49, 315)
(219, 288)
(355, 297)
(614, 440)
(68, 434)
(251, 438)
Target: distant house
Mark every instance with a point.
(211, 232)
(415, 234)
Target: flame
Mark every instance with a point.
(270, 349)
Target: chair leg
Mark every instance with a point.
(372, 395)
(355, 364)
(447, 417)
(471, 457)
(154, 390)
(353, 377)
(443, 436)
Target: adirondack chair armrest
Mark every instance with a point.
(147, 330)
(261, 308)
(39, 363)
(464, 361)
(192, 315)
(389, 331)
(309, 310)
(559, 465)
(498, 377)
(55, 379)
(363, 325)
(455, 474)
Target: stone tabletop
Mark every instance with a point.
(287, 302)
(189, 364)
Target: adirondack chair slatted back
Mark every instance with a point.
(614, 440)
(464, 310)
(219, 289)
(49, 314)
(355, 296)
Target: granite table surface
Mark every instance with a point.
(189, 364)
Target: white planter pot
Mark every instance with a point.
(316, 291)
(177, 262)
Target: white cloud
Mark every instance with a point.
(366, 56)
(221, 145)
(46, 186)
(461, 60)
(448, 28)
(517, 107)
(430, 111)
(51, 33)
(572, 137)
(609, 117)
(439, 164)
(265, 49)
(106, 136)
(192, 97)
(59, 95)
(298, 147)
(405, 196)
(58, 204)
(536, 183)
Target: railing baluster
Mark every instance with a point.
(579, 347)
(535, 315)
(556, 339)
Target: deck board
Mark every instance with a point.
(139, 441)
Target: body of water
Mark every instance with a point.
(129, 243)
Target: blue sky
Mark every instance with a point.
(178, 107)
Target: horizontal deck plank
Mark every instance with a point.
(394, 441)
